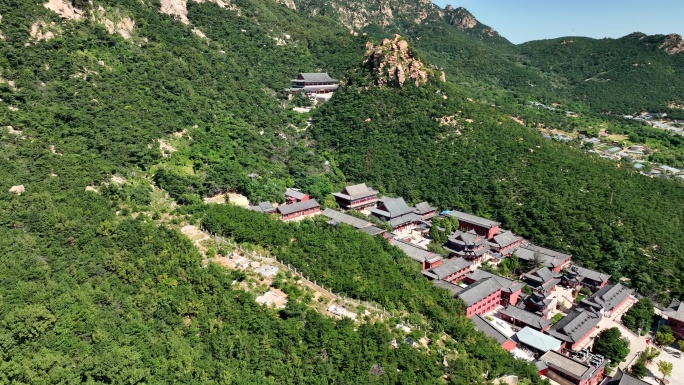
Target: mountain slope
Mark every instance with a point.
(632, 74)
(430, 143)
(97, 283)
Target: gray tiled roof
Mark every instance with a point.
(506, 284)
(345, 218)
(623, 378)
(608, 297)
(474, 219)
(299, 206)
(359, 190)
(356, 191)
(481, 324)
(541, 275)
(526, 317)
(550, 258)
(505, 238)
(396, 207)
(675, 310)
(549, 252)
(453, 289)
(575, 325)
(451, 266)
(468, 238)
(372, 230)
(479, 290)
(415, 252)
(408, 218)
(582, 272)
(317, 77)
(263, 207)
(423, 208)
(295, 194)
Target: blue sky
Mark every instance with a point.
(524, 20)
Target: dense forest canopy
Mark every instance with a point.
(113, 139)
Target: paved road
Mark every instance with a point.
(677, 377)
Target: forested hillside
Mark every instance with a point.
(108, 106)
(97, 284)
(430, 143)
(633, 74)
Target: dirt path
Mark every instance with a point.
(246, 260)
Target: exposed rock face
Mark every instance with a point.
(673, 44)
(176, 8)
(355, 14)
(288, 3)
(224, 4)
(123, 27)
(41, 30)
(64, 9)
(19, 189)
(2, 37)
(462, 19)
(393, 63)
(179, 8)
(199, 33)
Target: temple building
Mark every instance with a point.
(356, 197)
(400, 215)
(312, 84)
(468, 245)
(483, 227)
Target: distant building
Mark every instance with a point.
(295, 196)
(337, 217)
(675, 318)
(356, 197)
(564, 369)
(450, 271)
(542, 278)
(375, 232)
(468, 245)
(575, 328)
(453, 288)
(608, 299)
(296, 210)
(580, 276)
(425, 211)
(482, 325)
(486, 291)
(427, 259)
(624, 378)
(552, 259)
(400, 215)
(263, 207)
(522, 318)
(536, 341)
(482, 226)
(312, 84)
(539, 303)
(504, 243)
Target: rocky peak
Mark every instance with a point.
(673, 44)
(461, 18)
(393, 63)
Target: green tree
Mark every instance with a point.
(612, 345)
(665, 368)
(664, 336)
(639, 369)
(639, 316)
